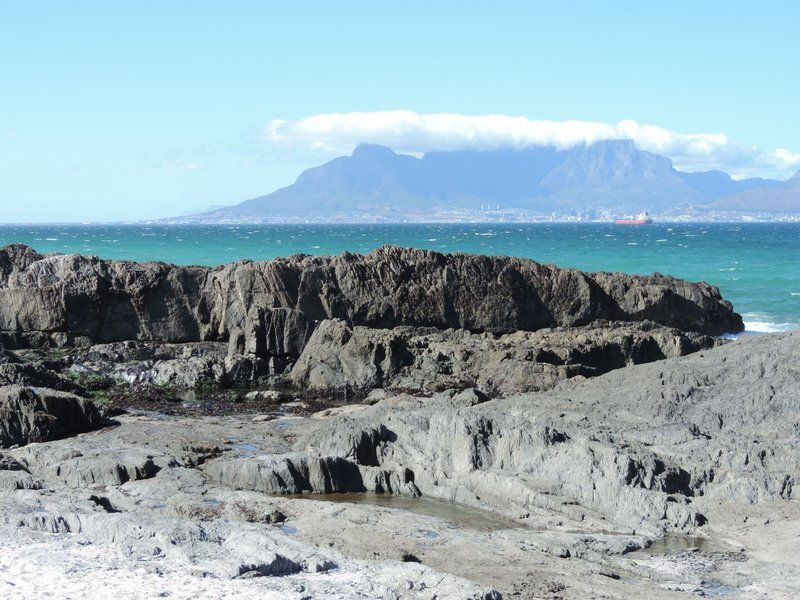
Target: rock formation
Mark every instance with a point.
(572, 485)
(507, 428)
(70, 299)
(39, 415)
(354, 360)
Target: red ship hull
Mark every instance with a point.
(633, 221)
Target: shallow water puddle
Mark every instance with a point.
(677, 555)
(244, 447)
(673, 544)
(457, 514)
(718, 589)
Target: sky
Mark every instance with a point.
(156, 109)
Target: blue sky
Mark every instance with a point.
(165, 108)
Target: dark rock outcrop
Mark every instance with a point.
(38, 415)
(35, 374)
(72, 299)
(5, 357)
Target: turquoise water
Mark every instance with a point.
(757, 266)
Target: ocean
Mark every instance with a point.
(755, 265)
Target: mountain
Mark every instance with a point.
(361, 183)
(718, 183)
(770, 197)
(615, 173)
(376, 183)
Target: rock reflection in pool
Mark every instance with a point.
(674, 544)
(462, 516)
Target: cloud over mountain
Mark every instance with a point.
(411, 132)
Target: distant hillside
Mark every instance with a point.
(718, 183)
(771, 197)
(375, 183)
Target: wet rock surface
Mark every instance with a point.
(340, 361)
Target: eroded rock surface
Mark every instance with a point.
(340, 359)
(190, 365)
(525, 430)
(576, 482)
(30, 414)
(638, 445)
(72, 299)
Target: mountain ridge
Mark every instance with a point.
(377, 183)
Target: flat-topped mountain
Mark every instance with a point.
(375, 183)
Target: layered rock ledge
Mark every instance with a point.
(576, 483)
(270, 309)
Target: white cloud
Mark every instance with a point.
(411, 132)
(788, 158)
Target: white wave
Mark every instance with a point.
(769, 327)
(794, 293)
(763, 322)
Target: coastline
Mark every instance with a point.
(752, 264)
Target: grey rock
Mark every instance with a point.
(269, 395)
(341, 359)
(187, 365)
(68, 299)
(30, 414)
(583, 476)
(14, 475)
(288, 474)
(638, 445)
(35, 374)
(675, 433)
(174, 528)
(5, 356)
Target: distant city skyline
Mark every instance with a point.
(162, 110)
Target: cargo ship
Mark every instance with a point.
(641, 219)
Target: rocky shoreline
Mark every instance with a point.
(402, 424)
